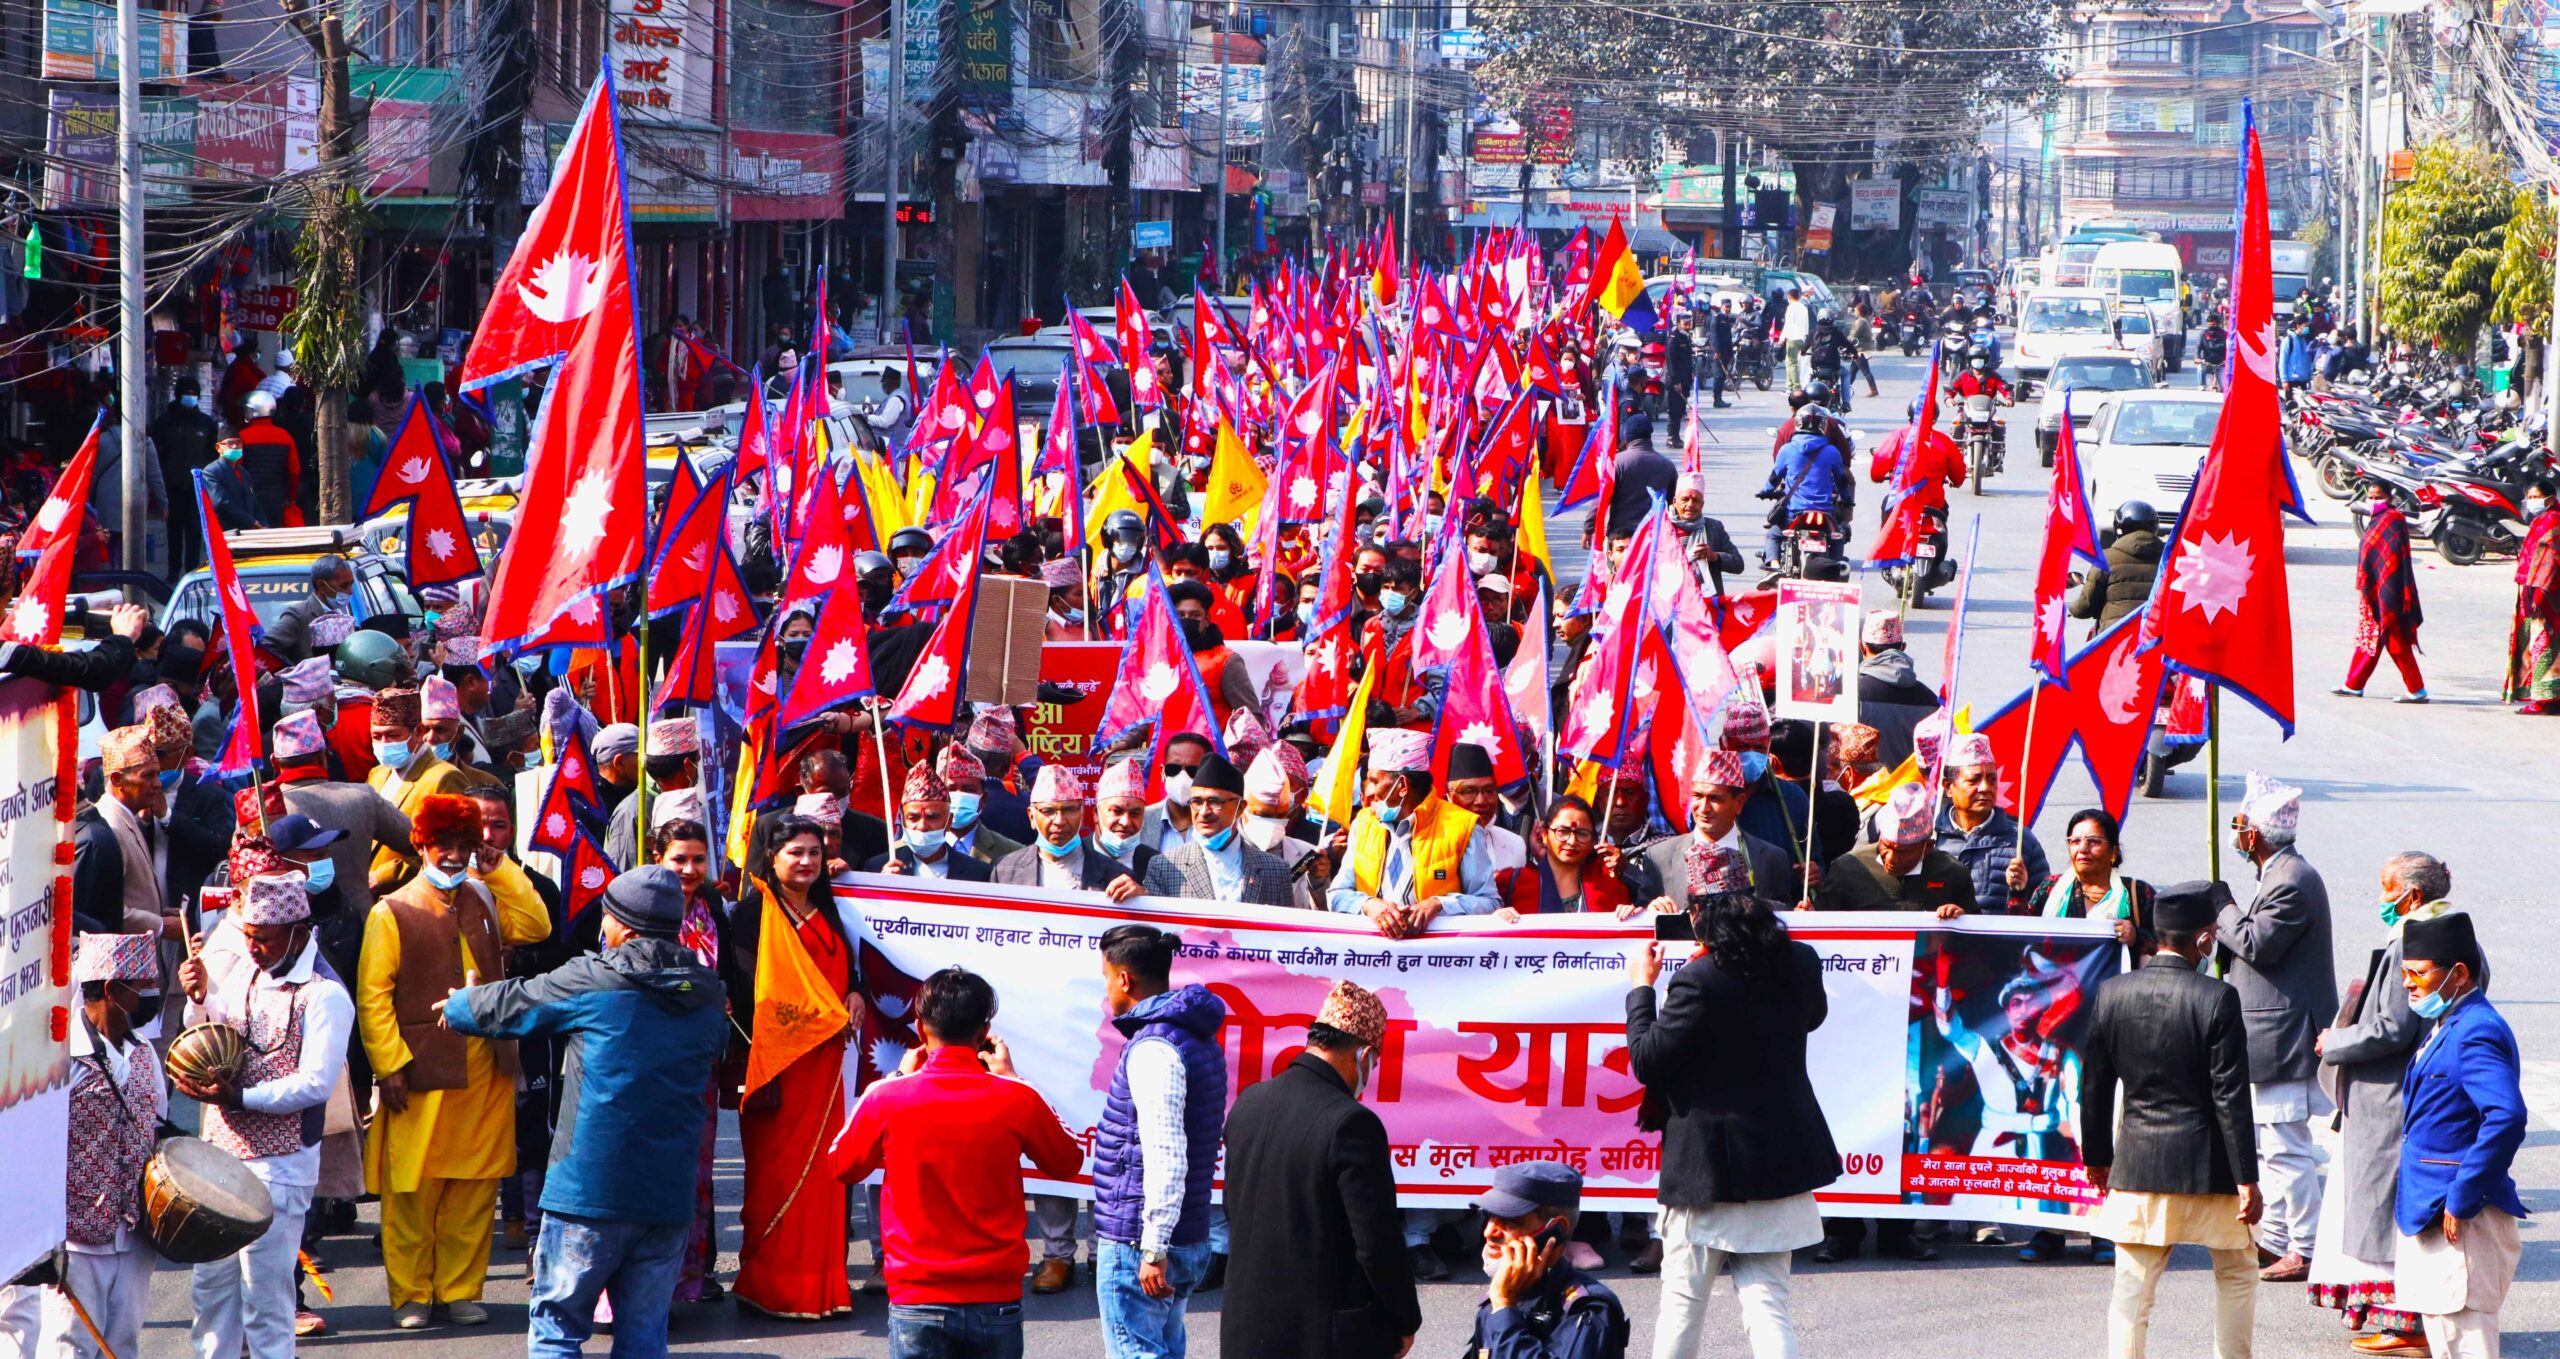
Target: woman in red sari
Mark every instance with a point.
(792, 1263)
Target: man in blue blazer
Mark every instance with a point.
(2457, 1207)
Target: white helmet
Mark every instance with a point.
(259, 405)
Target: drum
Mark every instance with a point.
(209, 1054)
(200, 1202)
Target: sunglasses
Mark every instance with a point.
(1171, 770)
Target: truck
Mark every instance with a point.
(2290, 264)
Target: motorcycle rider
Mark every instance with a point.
(1826, 354)
(1932, 467)
(1124, 543)
(1981, 377)
(1816, 395)
(2133, 559)
(1811, 476)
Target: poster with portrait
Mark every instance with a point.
(1818, 650)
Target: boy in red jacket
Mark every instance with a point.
(952, 1128)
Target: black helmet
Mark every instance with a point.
(2137, 514)
(1817, 392)
(874, 577)
(1981, 359)
(373, 659)
(1125, 534)
(910, 542)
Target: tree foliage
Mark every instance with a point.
(2524, 266)
(2443, 234)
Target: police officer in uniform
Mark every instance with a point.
(1536, 1306)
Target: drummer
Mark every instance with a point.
(298, 1021)
(116, 1104)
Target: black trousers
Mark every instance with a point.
(1675, 408)
(1846, 1234)
(1716, 370)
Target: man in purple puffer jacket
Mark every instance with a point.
(1157, 1145)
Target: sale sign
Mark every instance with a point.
(1947, 1067)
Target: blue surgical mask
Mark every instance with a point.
(1755, 764)
(1307, 614)
(1074, 843)
(169, 777)
(2431, 1005)
(391, 754)
(444, 881)
(191, 402)
(964, 810)
(1071, 617)
(1386, 814)
(1220, 559)
(1217, 844)
(234, 453)
(444, 750)
(317, 876)
(1393, 601)
(1117, 846)
(927, 842)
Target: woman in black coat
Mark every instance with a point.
(1744, 1143)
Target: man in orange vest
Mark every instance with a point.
(1413, 855)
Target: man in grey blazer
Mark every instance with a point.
(2276, 953)
(1060, 857)
(1658, 875)
(1213, 863)
(332, 581)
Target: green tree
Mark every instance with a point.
(2523, 279)
(2442, 237)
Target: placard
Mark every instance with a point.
(1818, 650)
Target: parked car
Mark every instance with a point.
(2087, 373)
(275, 570)
(2148, 445)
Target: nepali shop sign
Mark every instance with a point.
(982, 54)
(80, 42)
(80, 140)
(785, 176)
(652, 45)
(1948, 1066)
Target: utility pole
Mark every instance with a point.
(1411, 89)
(893, 149)
(134, 325)
(1226, 35)
(2366, 228)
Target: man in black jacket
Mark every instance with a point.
(1891, 697)
(2184, 1168)
(1679, 369)
(183, 437)
(1317, 1266)
(95, 669)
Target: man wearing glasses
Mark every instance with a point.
(2465, 1118)
(1214, 863)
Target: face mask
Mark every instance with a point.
(1368, 582)
(1220, 559)
(927, 842)
(316, 877)
(1387, 814)
(2534, 505)
(964, 810)
(445, 881)
(1195, 634)
(1124, 552)
(2432, 1004)
(905, 566)
(169, 778)
(1393, 601)
(145, 1009)
(1117, 846)
(444, 750)
(234, 453)
(2390, 912)
(1071, 617)
(1686, 525)
(1263, 832)
(1217, 844)
(1307, 615)
(1755, 765)
(1177, 790)
(391, 754)
(1074, 843)
(1481, 563)
(190, 402)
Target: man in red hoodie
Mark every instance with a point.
(952, 1129)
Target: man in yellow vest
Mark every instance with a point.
(1413, 855)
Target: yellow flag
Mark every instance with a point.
(1236, 483)
(1339, 795)
(880, 494)
(1585, 783)
(795, 1008)
(1531, 542)
(1111, 490)
(1875, 790)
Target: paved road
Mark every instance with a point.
(2463, 778)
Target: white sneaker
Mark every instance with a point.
(410, 1316)
(466, 1314)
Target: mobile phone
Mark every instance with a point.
(1674, 927)
(1551, 1234)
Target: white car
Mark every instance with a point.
(2148, 445)
(2136, 335)
(2056, 321)
(2089, 372)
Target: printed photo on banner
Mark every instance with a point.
(1818, 646)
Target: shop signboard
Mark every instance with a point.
(80, 42)
(80, 139)
(785, 176)
(1951, 209)
(982, 74)
(1875, 205)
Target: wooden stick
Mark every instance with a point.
(880, 746)
(2026, 767)
(2213, 781)
(1812, 791)
(64, 1288)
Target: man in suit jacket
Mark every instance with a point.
(300, 747)
(332, 581)
(1214, 863)
(2465, 1116)
(1317, 1267)
(2276, 952)
(1058, 857)
(1904, 870)
(2185, 1170)
(924, 847)
(119, 843)
(969, 834)
(1658, 874)
(199, 820)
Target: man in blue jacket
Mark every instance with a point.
(2293, 356)
(2464, 1118)
(643, 1023)
(1809, 475)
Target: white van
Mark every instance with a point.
(2146, 274)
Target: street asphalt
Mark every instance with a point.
(2463, 778)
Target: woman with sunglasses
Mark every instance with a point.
(1575, 873)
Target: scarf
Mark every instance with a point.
(2385, 582)
(2117, 904)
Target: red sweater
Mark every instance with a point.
(953, 1139)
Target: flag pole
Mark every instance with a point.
(2027, 766)
(640, 661)
(1812, 791)
(2213, 781)
(880, 746)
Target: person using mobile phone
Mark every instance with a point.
(1535, 1304)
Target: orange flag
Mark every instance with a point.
(795, 1008)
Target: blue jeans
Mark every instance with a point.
(1135, 1326)
(966, 1330)
(634, 1264)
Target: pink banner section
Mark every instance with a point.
(1508, 1042)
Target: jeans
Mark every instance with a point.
(967, 1330)
(1795, 365)
(633, 1265)
(1135, 1326)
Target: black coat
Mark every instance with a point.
(960, 867)
(1317, 1267)
(201, 819)
(1726, 1056)
(95, 669)
(2174, 1041)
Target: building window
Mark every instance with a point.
(782, 64)
(2139, 46)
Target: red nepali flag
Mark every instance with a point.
(1601, 713)
(37, 616)
(240, 629)
(2068, 533)
(438, 548)
(573, 262)
(583, 517)
(1092, 351)
(2221, 609)
(946, 414)
(1595, 474)
(2026, 771)
(824, 559)
(591, 870)
(1158, 681)
(680, 564)
(1898, 541)
(933, 695)
(836, 668)
(1474, 708)
(723, 612)
(2115, 689)
(571, 800)
(997, 443)
(755, 436)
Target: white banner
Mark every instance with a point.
(35, 1093)
(1948, 1066)
(1875, 205)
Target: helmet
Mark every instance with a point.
(2137, 514)
(1913, 411)
(1980, 360)
(1812, 417)
(1126, 524)
(1818, 392)
(874, 577)
(910, 542)
(372, 659)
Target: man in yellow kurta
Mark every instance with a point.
(405, 771)
(443, 1130)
